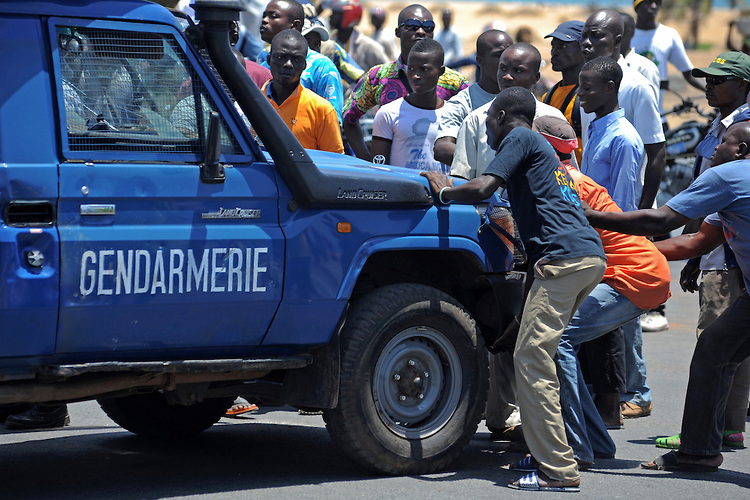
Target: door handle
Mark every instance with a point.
(97, 209)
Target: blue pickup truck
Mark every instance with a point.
(167, 245)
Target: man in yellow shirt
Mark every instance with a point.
(311, 118)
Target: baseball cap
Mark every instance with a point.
(314, 25)
(558, 133)
(735, 64)
(569, 31)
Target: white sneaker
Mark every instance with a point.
(653, 321)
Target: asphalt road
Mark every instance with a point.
(276, 453)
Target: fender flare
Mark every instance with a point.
(425, 242)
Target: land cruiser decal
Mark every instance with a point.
(232, 213)
(361, 194)
(173, 271)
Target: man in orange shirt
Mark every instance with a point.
(636, 280)
(311, 118)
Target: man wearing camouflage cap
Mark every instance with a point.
(727, 88)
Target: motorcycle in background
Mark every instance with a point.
(681, 142)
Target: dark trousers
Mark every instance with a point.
(724, 344)
(602, 362)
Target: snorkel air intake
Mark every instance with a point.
(309, 185)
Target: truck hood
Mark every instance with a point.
(342, 179)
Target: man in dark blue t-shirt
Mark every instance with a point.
(568, 262)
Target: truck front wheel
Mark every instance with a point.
(413, 381)
(151, 415)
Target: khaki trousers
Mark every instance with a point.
(559, 289)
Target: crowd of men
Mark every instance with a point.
(580, 166)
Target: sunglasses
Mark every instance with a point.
(718, 80)
(415, 24)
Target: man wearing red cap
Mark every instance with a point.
(636, 279)
(345, 16)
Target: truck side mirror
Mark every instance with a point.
(211, 171)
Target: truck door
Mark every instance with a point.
(152, 257)
(29, 243)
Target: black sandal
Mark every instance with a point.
(669, 461)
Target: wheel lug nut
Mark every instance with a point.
(411, 362)
(397, 377)
(426, 374)
(402, 398)
(420, 396)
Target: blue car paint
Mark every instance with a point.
(73, 311)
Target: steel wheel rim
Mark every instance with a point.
(411, 404)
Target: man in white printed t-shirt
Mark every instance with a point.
(644, 65)
(404, 130)
(662, 45)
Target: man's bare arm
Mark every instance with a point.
(655, 164)
(645, 222)
(691, 245)
(444, 149)
(382, 146)
(474, 191)
(357, 141)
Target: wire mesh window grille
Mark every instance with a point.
(135, 92)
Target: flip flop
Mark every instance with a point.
(669, 462)
(526, 464)
(240, 406)
(530, 482)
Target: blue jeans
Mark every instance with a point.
(603, 310)
(635, 366)
(722, 346)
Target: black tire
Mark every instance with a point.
(151, 415)
(381, 421)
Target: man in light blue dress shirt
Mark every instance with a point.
(612, 158)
